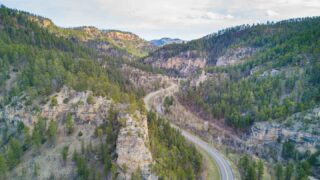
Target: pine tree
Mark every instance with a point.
(3, 167)
(69, 123)
(289, 171)
(64, 153)
(54, 101)
(260, 169)
(279, 172)
(52, 131)
(14, 153)
(36, 139)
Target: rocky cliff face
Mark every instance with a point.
(67, 101)
(132, 150)
(118, 35)
(148, 82)
(235, 56)
(43, 22)
(185, 63)
(188, 62)
(87, 117)
(130, 42)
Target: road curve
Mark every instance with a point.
(225, 169)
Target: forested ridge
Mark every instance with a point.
(273, 84)
(280, 79)
(116, 43)
(37, 64)
(256, 36)
(44, 62)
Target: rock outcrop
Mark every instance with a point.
(133, 153)
(185, 63)
(235, 56)
(144, 80)
(87, 117)
(67, 101)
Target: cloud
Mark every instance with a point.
(208, 17)
(271, 13)
(216, 16)
(187, 19)
(305, 3)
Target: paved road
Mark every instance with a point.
(225, 169)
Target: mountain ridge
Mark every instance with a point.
(213, 46)
(116, 43)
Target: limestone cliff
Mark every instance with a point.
(146, 81)
(87, 117)
(235, 56)
(185, 62)
(132, 148)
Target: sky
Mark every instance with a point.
(153, 19)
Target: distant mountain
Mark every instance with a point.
(165, 41)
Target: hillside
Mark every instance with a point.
(285, 59)
(109, 42)
(230, 46)
(40, 63)
(243, 64)
(67, 111)
(260, 81)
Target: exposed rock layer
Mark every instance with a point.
(132, 150)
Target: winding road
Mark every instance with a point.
(225, 169)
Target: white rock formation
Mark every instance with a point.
(132, 149)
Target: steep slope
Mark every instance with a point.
(109, 42)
